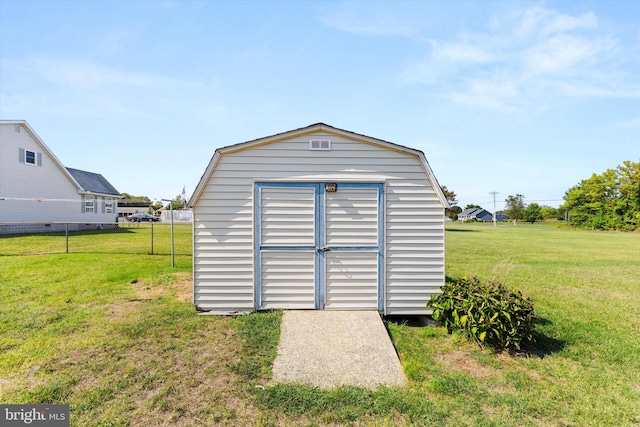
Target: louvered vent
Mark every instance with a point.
(320, 144)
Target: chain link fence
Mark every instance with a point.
(123, 238)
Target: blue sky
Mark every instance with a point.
(515, 97)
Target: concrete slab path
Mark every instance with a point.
(330, 349)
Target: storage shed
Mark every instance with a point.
(317, 218)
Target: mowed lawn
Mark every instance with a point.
(116, 337)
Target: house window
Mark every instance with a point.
(108, 205)
(89, 204)
(29, 157)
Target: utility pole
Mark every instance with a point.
(494, 207)
(173, 256)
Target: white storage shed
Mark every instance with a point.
(317, 218)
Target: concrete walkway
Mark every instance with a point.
(336, 348)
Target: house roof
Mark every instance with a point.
(468, 211)
(475, 212)
(93, 182)
(308, 130)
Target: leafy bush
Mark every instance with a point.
(488, 313)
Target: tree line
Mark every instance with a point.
(606, 201)
(515, 207)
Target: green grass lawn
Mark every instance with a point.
(116, 337)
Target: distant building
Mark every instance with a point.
(477, 214)
(36, 188)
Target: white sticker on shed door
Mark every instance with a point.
(287, 247)
(352, 235)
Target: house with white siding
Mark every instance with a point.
(317, 218)
(38, 191)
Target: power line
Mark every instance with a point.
(528, 201)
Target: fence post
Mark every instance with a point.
(173, 260)
(66, 234)
(173, 257)
(151, 237)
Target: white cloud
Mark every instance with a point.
(462, 52)
(374, 22)
(538, 20)
(522, 62)
(87, 75)
(81, 89)
(562, 52)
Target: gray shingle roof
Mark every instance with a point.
(478, 213)
(469, 211)
(93, 182)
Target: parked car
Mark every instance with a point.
(139, 217)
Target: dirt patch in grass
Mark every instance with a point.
(160, 363)
(181, 288)
(178, 285)
(175, 369)
(461, 361)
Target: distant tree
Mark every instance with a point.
(473, 206)
(532, 213)
(561, 213)
(514, 206)
(179, 203)
(137, 199)
(610, 200)
(154, 207)
(454, 210)
(449, 195)
(548, 212)
(629, 191)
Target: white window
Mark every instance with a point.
(89, 204)
(108, 205)
(29, 157)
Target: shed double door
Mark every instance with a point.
(318, 246)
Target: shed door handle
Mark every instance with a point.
(325, 249)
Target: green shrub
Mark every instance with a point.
(488, 313)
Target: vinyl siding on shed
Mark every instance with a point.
(224, 213)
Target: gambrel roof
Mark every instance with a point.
(317, 127)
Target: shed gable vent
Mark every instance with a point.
(16, 128)
(320, 144)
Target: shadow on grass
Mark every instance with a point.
(460, 230)
(414, 321)
(543, 345)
